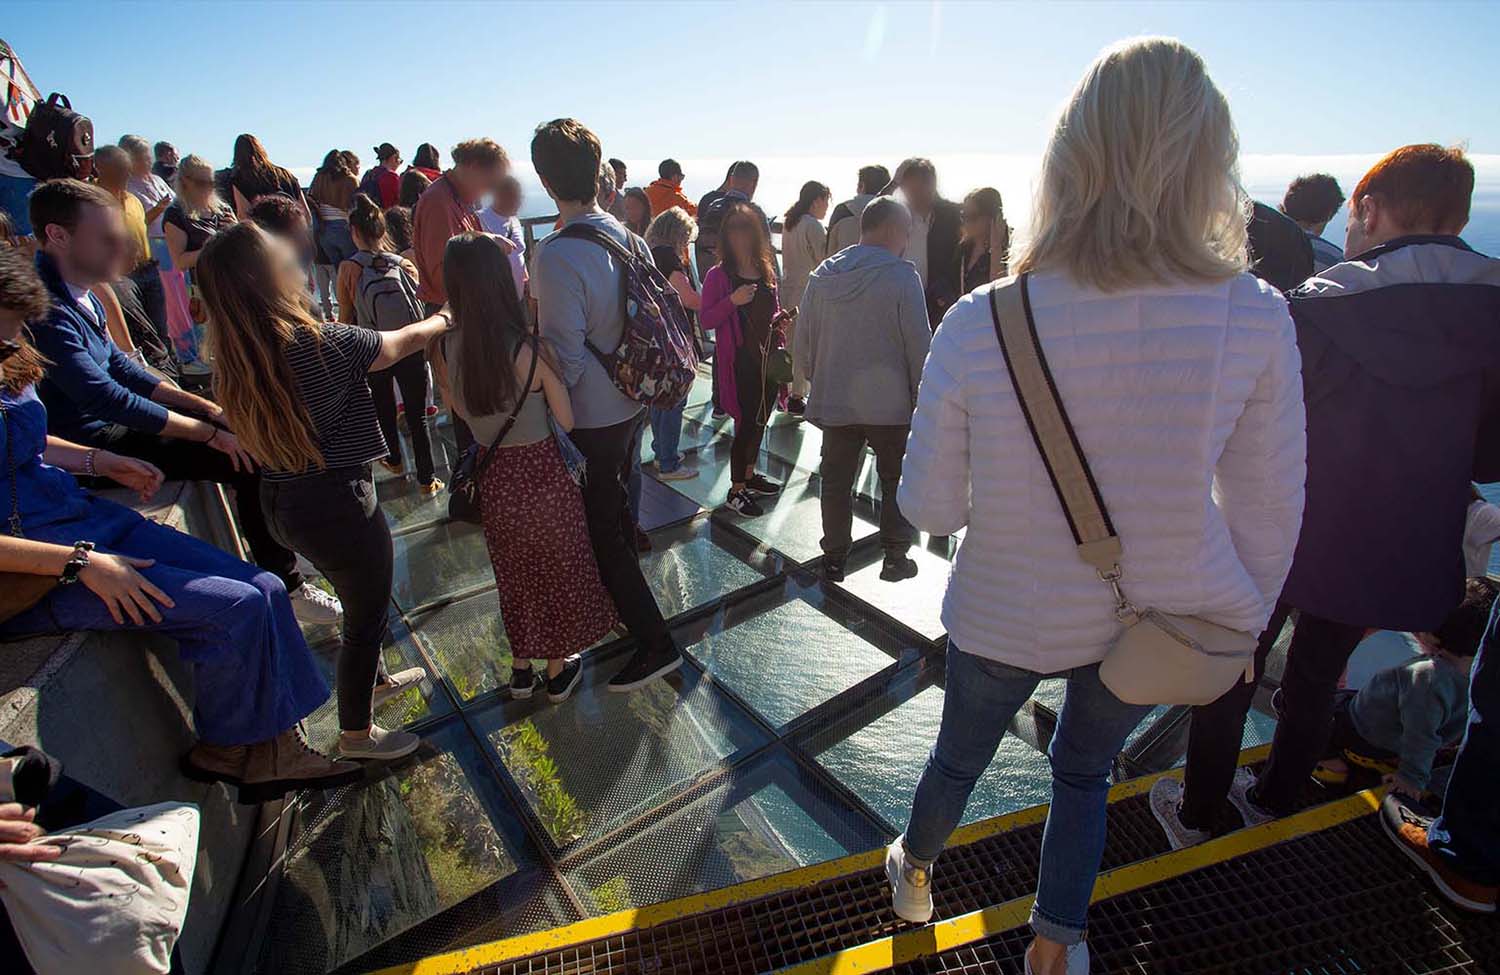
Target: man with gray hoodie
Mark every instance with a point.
(862, 337)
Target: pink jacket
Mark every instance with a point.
(720, 316)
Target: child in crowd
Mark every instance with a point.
(1403, 716)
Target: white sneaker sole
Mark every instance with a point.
(522, 694)
(380, 754)
(917, 912)
(1437, 879)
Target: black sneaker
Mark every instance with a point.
(561, 687)
(522, 683)
(743, 503)
(898, 567)
(644, 668)
(833, 570)
(796, 406)
(760, 484)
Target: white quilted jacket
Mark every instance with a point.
(1187, 401)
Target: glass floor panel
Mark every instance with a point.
(589, 767)
(794, 733)
(787, 661)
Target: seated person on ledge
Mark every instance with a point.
(1399, 721)
(97, 397)
(255, 678)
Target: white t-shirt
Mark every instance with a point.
(1480, 533)
(916, 244)
(510, 229)
(150, 190)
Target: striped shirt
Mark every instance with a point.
(332, 382)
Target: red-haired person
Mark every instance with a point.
(1400, 353)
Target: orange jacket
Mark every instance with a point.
(664, 195)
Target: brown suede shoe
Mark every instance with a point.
(215, 763)
(1407, 829)
(287, 763)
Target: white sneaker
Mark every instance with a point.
(1166, 802)
(1077, 960)
(395, 684)
(381, 746)
(911, 884)
(1239, 794)
(312, 605)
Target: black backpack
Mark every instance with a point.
(58, 143)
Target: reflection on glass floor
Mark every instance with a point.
(794, 733)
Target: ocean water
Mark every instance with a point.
(1264, 176)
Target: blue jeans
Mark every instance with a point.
(336, 240)
(1467, 834)
(666, 434)
(981, 697)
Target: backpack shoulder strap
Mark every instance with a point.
(1093, 532)
(584, 231)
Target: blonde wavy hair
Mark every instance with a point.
(253, 315)
(1140, 183)
(196, 167)
(672, 228)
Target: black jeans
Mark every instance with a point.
(137, 295)
(745, 447)
(184, 460)
(843, 450)
(334, 519)
(411, 375)
(153, 294)
(612, 530)
(1316, 659)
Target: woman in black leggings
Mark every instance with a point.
(384, 298)
(740, 305)
(297, 386)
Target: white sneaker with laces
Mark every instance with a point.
(1077, 961)
(1239, 795)
(1166, 802)
(911, 884)
(312, 605)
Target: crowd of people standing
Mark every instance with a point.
(1273, 435)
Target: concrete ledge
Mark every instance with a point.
(116, 709)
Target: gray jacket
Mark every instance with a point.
(862, 338)
(1413, 710)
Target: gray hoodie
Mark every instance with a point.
(862, 337)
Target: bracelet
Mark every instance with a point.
(75, 563)
(212, 435)
(88, 462)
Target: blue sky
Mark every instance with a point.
(708, 81)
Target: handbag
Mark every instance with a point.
(463, 487)
(1159, 658)
(19, 591)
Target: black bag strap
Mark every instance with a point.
(585, 231)
(515, 414)
(1052, 431)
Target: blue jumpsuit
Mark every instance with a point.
(253, 672)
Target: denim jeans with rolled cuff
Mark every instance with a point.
(666, 438)
(981, 697)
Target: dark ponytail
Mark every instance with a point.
(368, 220)
(812, 192)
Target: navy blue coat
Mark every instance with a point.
(1401, 374)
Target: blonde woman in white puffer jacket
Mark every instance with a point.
(1181, 376)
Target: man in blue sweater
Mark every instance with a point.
(97, 396)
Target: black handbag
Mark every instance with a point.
(463, 487)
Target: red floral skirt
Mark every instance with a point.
(551, 599)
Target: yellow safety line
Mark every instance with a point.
(465, 960)
(910, 945)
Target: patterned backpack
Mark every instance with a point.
(655, 362)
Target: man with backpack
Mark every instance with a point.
(743, 178)
(579, 276)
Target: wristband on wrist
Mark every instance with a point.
(88, 462)
(75, 563)
(214, 432)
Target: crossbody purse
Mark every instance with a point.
(1159, 658)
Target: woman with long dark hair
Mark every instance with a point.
(332, 193)
(741, 306)
(804, 244)
(377, 254)
(551, 598)
(253, 175)
(414, 183)
(637, 211)
(297, 386)
(427, 162)
(984, 239)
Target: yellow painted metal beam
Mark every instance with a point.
(910, 945)
(610, 925)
